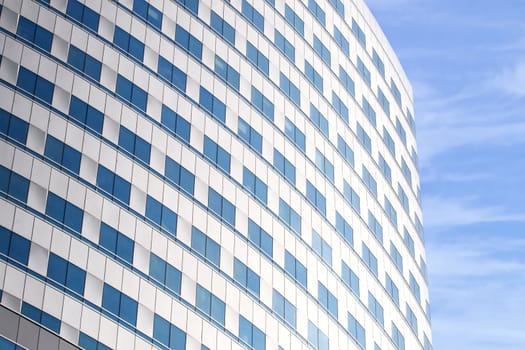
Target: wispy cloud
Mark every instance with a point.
(512, 80)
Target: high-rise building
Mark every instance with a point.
(207, 175)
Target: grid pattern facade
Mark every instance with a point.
(208, 175)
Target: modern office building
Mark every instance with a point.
(207, 175)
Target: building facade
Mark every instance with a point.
(207, 175)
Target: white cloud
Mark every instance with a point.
(512, 80)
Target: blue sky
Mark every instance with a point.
(466, 62)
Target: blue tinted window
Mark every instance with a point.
(255, 185)
(376, 309)
(250, 135)
(88, 343)
(253, 15)
(389, 142)
(321, 247)
(83, 14)
(341, 41)
(14, 184)
(350, 278)
(134, 144)
(132, 93)
(171, 73)
(403, 197)
(113, 184)
(378, 62)
(390, 211)
(406, 171)
(62, 154)
(385, 168)
(315, 197)
(327, 299)
(119, 304)
(290, 216)
(412, 319)
(191, 5)
(339, 106)
(322, 51)
(294, 268)
(212, 104)
(217, 154)
(161, 215)
(344, 229)
(284, 308)
(401, 131)
(392, 289)
(356, 331)
(284, 45)
(64, 212)
(414, 287)
(35, 84)
(165, 273)
(395, 91)
(317, 338)
(370, 259)
(313, 76)
(383, 101)
(210, 304)
(223, 28)
(15, 246)
(262, 103)
(319, 120)
(84, 62)
(397, 337)
(409, 242)
(375, 226)
(66, 273)
(293, 133)
(188, 42)
(363, 71)
(35, 33)
(246, 277)
(346, 151)
(289, 89)
(358, 32)
(175, 123)
(251, 335)
(317, 11)
(257, 58)
(363, 137)
(227, 72)
(260, 237)
(284, 166)
(323, 164)
(148, 12)
(116, 242)
(41, 317)
(86, 114)
(179, 175)
(352, 197)
(339, 7)
(205, 246)
(348, 83)
(13, 126)
(294, 20)
(369, 111)
(221, 206)
(128, 43)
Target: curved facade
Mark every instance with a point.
(207, 175)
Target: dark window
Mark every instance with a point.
(35, 84)
(165, 273)
(116, 242)
(212, 104)
(34, 33)
(128, 43)
(134, 144)
(179, 175)
(216, 154)
(221, 206)
(260, 238)
(188, 42)
(62, 154)
(131, 93)
(171, 73)
(223, 28)
(148, 12)
(175, 123)
(205, 246)
(246, 277)
(161, 215)
(85, 114)
(253, 15)
(84, 62)
(83, 14)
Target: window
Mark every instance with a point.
(363, 71)
(179, 175)
(389, 142)
(390, 211)
(191, 5)
(363, 138)
(406, 171)
(132, 93)
(128, 43)
(395, 92)
(358, 32)
(428, 345)
(412, 319)
(317, 338)
(294, 134)
(175, 123)
(83, 14)
(289, 89)
(165, 273)
(260, 238)
(13, 126)
(216, 154)
(41, 317)
(339, 7)
(255, 185)
(221, 206)
(419, 227)
(246, 277)
(401, 131)
(257, 58)
(188, 42)
(322, 163)
(356, 331)
(212, 104)
(284, 308)
(210, 304)
(385, 169)
(350, 278)
(205, 246)
(161, 215)
(319, 120)
(414, 287)
(172, 74)
(378, 62)
(315, 197)
(251, 335)
(66, 274)
(348, 83)
(376, 309)
(223, 28)
(397, 337)
(369, 111)
(396, 257)
(411, 121)
(344, 229)
(134, 144)
(295, 269)
(409, 242)
(13, 184)
(227, 72)
(345, 150)
(375, 226)
(352, 197)
(313, 76)
(383, 101)
(262, 103)
(149, 13)
(86, 114)
(284, 45)
(322, 51)
(250, 135)
(35, 84)
(290, 216)
(423, 267)
(341, 40)
(392, 289)
(35, 33)
(284, 166)
(64, 212)
(114, 185)
(14, 246)
(340, 107)
(119, 304)
(322, 248)
(294, 20)
(403, 197)
(317, 11)
(116, 242)
(88, 343)
(369, 181)
(167, 333)
(253, 15)
(370, 259)
(327, 299)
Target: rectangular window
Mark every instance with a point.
(383, 101)
(257, 58)
(346, 151)
(414, 287)
(250, 135)
(358, 32)
(406, 171)
(116, 242)
(255, 185)
(370, 113)
(172, 74)
(409, 242)
(378, 62)
(223, 28)
(34, 33)
(221, 206)
(327, 299)
(216, 154)
(246, 277)
(392, 289)
(322, 248)
(284, 166)
(14, 246)
(165, 273)
(86, 114)
(324, 165)
(395, 92)
(253, 15)
(35, 85)
(191, 5)
(396, 256)
(322, 51)
(376, 309)
(66, 273)
(295, 269)
(128, 43)
(317, 11)
(14, 127)
(344, 229)
(401, 131)
(389, 142)
(375, 226)
(83, 14)
(363, 71)
(62, 154)
(403, 197)
(319, 120)
(315, 197)
(119, 304)
(339, 7)
(385, 168)
(289, 89)
(284, 45)
(391, 212)
(340, 107)
(251, 335)
(356, 331)
(179, 175)
(363, 137)
(132, 93)
(284, 308)
(290, 216)
(149, 13)
(260, 238)
(313, 76)
(318, 339)
(86, 342)
(262, 103)
(341, 41)
(412, 319)
(294, 20)
(369, 181)
(205, 246)
(411, 121)
(167, 333)
(350, 278)
(41, 317)
(175, 123)
(212, 104)
(64, 212)
(112, 184)
(294, 134)
(397, 337)
(370, 260)
(352, 197)
(161, 215)
(348, 83)
(227, 72)
(210, 304)
(134, 144)
(188, 42)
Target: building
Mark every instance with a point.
(207, 175)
